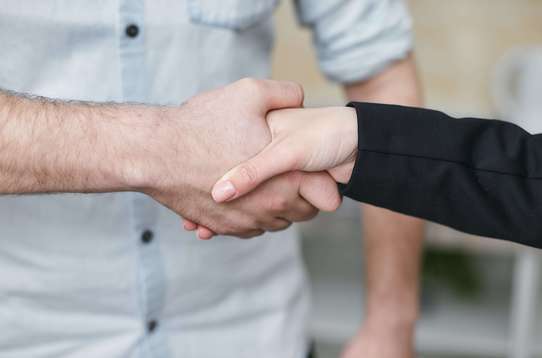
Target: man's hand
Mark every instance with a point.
(218, 130)
(173, 154)
(310, 140)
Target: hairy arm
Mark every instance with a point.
(173, 154)
(55, 146)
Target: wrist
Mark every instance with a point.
(349, 139)
(138, 139)
(391, 312)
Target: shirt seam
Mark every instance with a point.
(452, 162)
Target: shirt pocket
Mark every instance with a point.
(230, 14)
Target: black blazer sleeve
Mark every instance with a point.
(479, 176)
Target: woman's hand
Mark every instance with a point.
(308, 140)
(302, 140)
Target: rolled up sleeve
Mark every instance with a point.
(356, 39)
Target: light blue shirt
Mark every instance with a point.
(78, 276)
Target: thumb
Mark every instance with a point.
(248, 175)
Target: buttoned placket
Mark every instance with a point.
(143, 211)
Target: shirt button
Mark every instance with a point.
(151, 326)
(147, 236)
(132, 30)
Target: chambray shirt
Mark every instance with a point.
(114, 275)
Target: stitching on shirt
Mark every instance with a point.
(453, 162)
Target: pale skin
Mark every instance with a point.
(55, 147)
(173, 154)
(392, 241)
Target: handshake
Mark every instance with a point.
(247, 158)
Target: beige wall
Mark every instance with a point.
(457, 44)
(295, 59)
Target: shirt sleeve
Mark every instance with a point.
(479, 176)
(356, 39)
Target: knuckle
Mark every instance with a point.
(279, 204)
(294, 178)
(249, 173)
(248, 224)
(297, 91)
(245, 80)
(273, 117)
(232, 229)
(290, 180)
(252, 224)
(220, 230)
(250, 84)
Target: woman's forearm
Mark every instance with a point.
(479, 176)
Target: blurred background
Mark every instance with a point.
(479, 297)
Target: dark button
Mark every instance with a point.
(132, 30)
(151, 326)
(147, 236)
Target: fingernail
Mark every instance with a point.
(223, 190)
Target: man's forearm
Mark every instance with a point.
(55, 146)
(173, 154)
(398, 84)
(392, 242)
